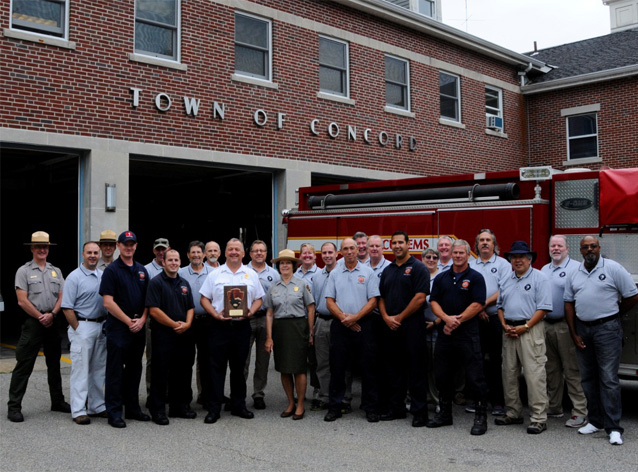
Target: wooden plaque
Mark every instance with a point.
(235, 301)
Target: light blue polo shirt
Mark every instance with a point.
(443, 267)
(351, 289)
(319, 283)
(493, 271)
(558, 276)
(267, 276)
(597, 293)
(196, 281)
(306, 276)
(82, 293)
(378, 270)
(153, 269)
(521, 297)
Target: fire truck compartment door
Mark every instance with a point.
(618, 197)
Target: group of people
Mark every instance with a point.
(417, 332)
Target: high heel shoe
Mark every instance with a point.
(287, 414)
(298, 417)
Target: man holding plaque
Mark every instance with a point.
(231, 295)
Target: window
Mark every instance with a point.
(426, 7)
(582, 136)
(333, 66)
(397, 88)
(41, 16)
(449, 89)
(157, 28)
(493, 102)
(252, 46)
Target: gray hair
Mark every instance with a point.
(462, 242)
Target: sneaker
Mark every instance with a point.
(536, 428)
(588, 429)
(615, 438)
(498, 410)
(576, 421)
(555, 414)
(471, 408)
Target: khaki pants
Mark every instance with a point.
(528, 352)
(561, 367)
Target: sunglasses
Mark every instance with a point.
(431, 256)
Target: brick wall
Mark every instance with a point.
(86, 91)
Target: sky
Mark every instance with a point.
(516, 24)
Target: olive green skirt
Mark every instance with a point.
(290, 345)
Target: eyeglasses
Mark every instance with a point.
(584, 247)
(431, 256)
(258, 250)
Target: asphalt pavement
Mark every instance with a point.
(49, 441)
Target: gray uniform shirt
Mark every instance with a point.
(196, 281)
(81, 293)
(521, 297)
(43, 287)
(267, 277)
(351, 289)
(492, 270)
(153, 269)
(319, 282)
(306, 275)
(558, 276)
(289, 300)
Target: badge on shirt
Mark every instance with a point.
(142, 275)
(246, 276)
(465, 284)
(296, 289)
(494, 269)
(184, 289)
(361, 279)
(528, 287)
(53, 274)
(562, 274)
(408, 270)
(602, 276)
(308, 288)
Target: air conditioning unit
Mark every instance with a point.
(494, 122)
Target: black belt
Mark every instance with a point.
(95, 320)
(201, 316)
(598, 321)
(259, 314)
(516, 322)
(324, 317)
(554, 320)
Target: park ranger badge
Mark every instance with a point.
(296, 289)
(54, 274)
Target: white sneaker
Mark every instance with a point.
(588, 429)
(576, 421)
(615, 438)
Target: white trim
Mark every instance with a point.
(585, 160)
(580, 110)
(454, 124)
(254, 81)
(268, 21)
(406, 62)
(399, 111)
(458, 97)
(498, 134)
(156, 61)
(335, 98)
(38, 38)
(178, 39)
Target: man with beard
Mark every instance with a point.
(213, 251)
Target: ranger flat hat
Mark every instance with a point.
(108, 236)
(40, 238)
(520, 247)
(286, 255)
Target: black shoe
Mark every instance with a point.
(393, 416)
(372, 417)
(243, 413)
(346, 408)
(439, 420)
(480, 426)
(138, 416)
(318, 405)
(227, 405)
(117, 422)
(160, 419)
(259, 403)
(186, 414)
(101, 414)
(507, 420)
(420, 420)
(211, 418)
(15, 416)
(62, 407)
(332, 415)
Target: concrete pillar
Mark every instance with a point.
(286, 183)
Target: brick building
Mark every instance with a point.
(202, 117)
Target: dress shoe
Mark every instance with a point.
(287, 414)
(420, 420)
(101, 414)
(259, 403)
(372, 417)
(139, 416)
(227, 405)
(391, 416)
(440, 420)
(62, 407)
(296, 416)
(507, 420)
(15, 416)
(186, 414)
(83, 419)
(211, 418)
(318, 405)
(160, 419)
(117, 422)
(243, 413)
(346, 408)
(332, 415)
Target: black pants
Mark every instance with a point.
(229, 343)
(200, 331)
(345, 344)
(124, 351)
(491, 333)
(173, 357)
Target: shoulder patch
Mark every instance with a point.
(308, 288)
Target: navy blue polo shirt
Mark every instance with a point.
(173, 296)
(127, 285)
(456, 291)
(399, 284)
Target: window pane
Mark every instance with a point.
(582, 124)
(447, 85)
(38, 14)
(161, 11)
(250, 61)
(154, 39)
(394, 95)
(448, 108)
(332, 53)
(331, 80)
(491, 99)
(251, 31)
(426, 7)
(580, 148)
(395, 70)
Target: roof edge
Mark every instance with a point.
(583, 79)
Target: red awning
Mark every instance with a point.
(618, 197)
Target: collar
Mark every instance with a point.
(491, 260)
(562, 265)
(224, 268)
(525, 275)
(87, 272)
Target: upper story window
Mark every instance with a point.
(450, 92)
(424, 7)
(333, 66)
(41, 16)
(252, 46)
(397, 86)
(582, 136)
(157, 28)
(494, 108)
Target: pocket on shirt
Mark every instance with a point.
(35, 286)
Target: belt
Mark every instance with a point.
(598, 321)
(201, 316)
(259, 314)
(324, 317)
(554, 320)
(94, 320)
(516, 322)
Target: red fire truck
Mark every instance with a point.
(529, 204)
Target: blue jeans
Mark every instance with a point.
(599, 363)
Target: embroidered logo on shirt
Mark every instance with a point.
(562, 274)
(361, 279)
(602, 276)
(494, 269)
(528, 287)
(408, 270)
(465, 284)
(142, 275)
(308, 288)
(184, 289)
(270, 278)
